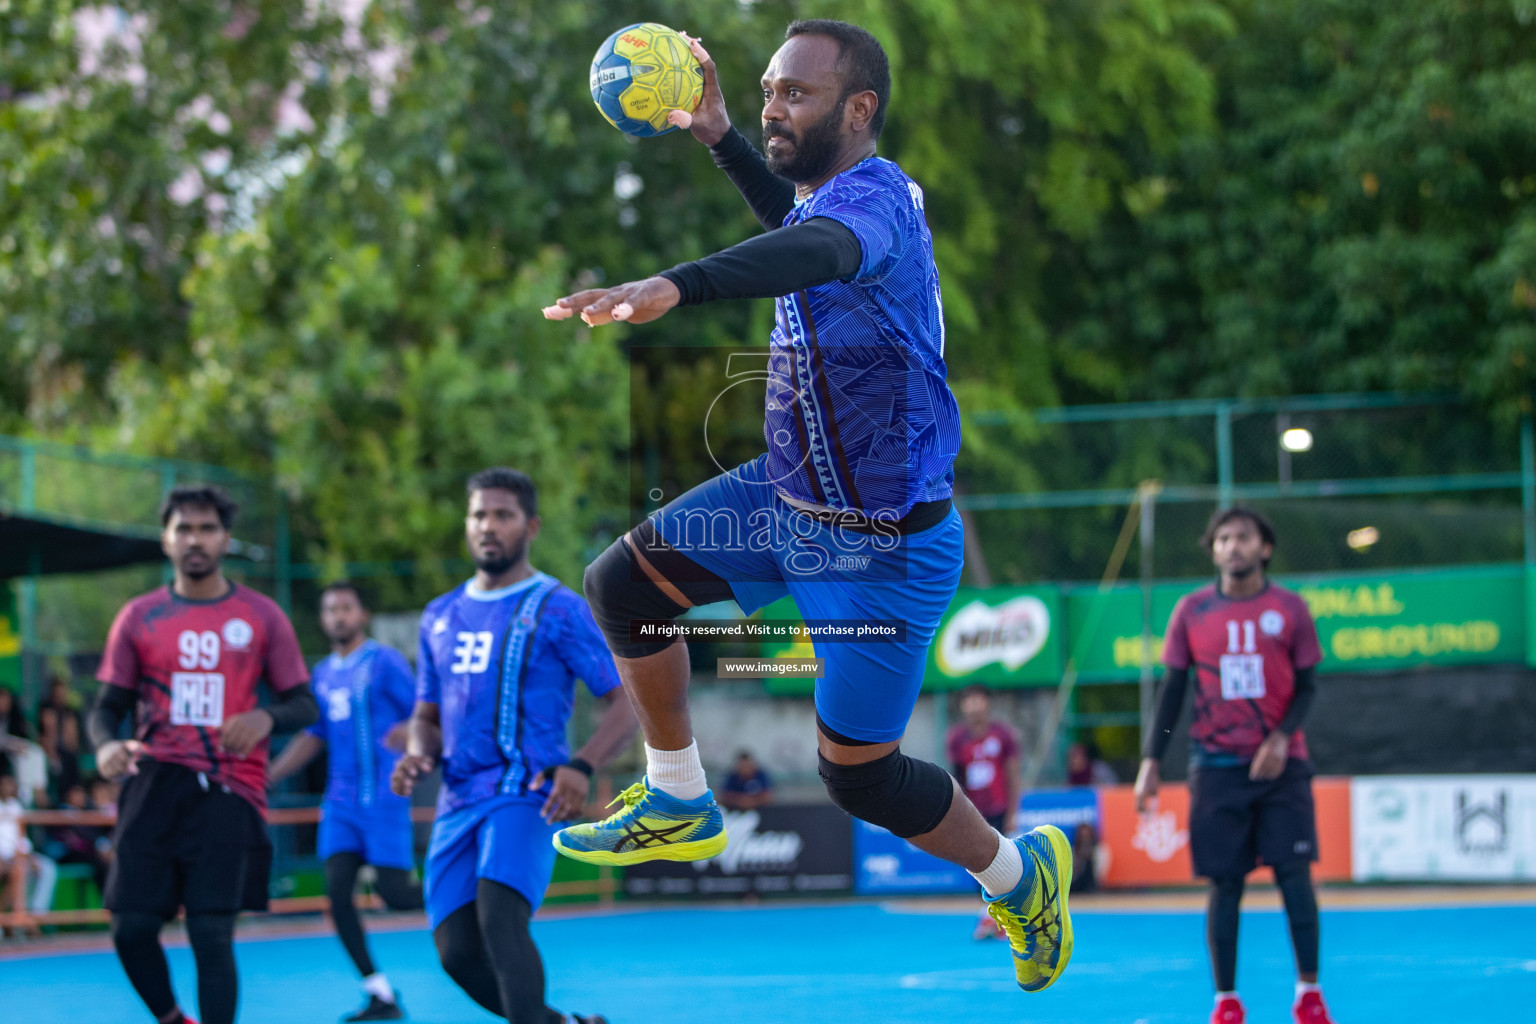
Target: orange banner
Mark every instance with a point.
(1153, 849)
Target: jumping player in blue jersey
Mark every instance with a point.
(496, 676)
(849, 510)
(366, 691)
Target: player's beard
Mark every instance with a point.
(498, 564)
(198, 571)
(816, 147)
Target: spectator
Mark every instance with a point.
(58, 726)
(748, 786)
(1085, 858)
(26, 761)
(14, 846)
(1086, 768)
(12, 721)
(79, 844)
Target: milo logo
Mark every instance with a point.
(980, 634)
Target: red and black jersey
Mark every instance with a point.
(194, 664)
(1244, 654)
(983, 764)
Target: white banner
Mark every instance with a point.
(1443, 827)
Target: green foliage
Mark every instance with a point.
(315, 250)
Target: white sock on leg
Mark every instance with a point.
(1005, 870)
(376, 984)
(1303, 987)
(677, 773)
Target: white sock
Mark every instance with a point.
(1302, 988)
(676, 773)
(1005, 871)
(378, 985)
(1226, 995)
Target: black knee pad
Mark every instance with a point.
(1295, 884)
(620, 593)
(896, 792)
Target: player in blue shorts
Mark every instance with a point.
(849, 510)
(365, 691)
(495, 682)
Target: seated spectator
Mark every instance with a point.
(748, 786)
(1085, 858)
(28, 763)
(15, 847)
(1086, 768)
(79, 844)
(59, 736)
(12, 723)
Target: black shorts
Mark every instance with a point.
(182, 843)
(1234, 821)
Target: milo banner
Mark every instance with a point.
(790, 850)
(1003, 636)
(10, 638)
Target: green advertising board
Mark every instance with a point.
(1002, 636)
(1024, 636)
(1373, 623)
(10, 638)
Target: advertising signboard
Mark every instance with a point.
(774, 849)
(1153, 849)
(1446, 827)
(884, 864)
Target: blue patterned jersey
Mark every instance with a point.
(361, 696)
(502, 667)
(858, 412)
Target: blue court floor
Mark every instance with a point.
(864, 962)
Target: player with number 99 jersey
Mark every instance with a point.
(195, 664)
(1245, 653)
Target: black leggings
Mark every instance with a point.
(136, 935)
(487, 950)
(1295, 883)
(394, 885)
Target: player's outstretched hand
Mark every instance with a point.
(241, 733)
(637, 302)
(407, 770)
(568, 796)
(708, 121)
(1147, 780)
(115, 759)
(1270, 759)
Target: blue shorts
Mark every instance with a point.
(381, 834)
(502, 839)
(739, 528)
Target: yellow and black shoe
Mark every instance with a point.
(650, 826)
(1034, 915)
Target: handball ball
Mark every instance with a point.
(641, 74)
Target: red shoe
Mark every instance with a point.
(1309, 1009)
(1229, 1010)
(986, 928)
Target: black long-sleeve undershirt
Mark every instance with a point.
(1170, 701)
(770, 265)
(770, 196)
(292, 709)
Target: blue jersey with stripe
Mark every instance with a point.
(859, 414)
(361, 696)
(502, 667)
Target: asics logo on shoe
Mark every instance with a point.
(641, 836)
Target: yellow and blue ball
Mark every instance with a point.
(642, 73)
